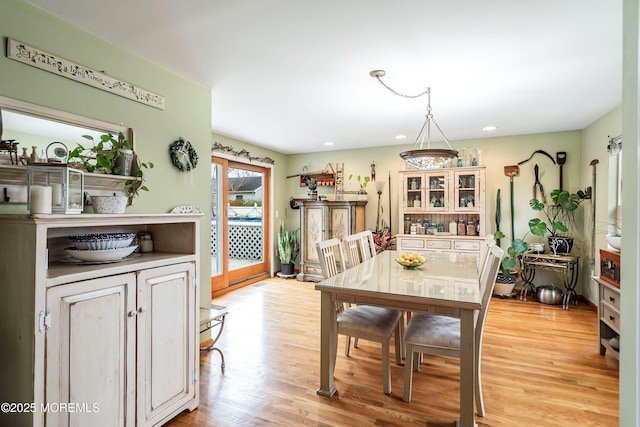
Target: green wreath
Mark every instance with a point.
(183, 155)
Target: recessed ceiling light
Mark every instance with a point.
(488, 128)
(401, 136)
(328, 143)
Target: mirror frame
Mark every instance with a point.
(64, 117)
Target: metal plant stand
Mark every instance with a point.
(566, 265)
(209, 319)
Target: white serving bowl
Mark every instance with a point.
(101, 241)
(614, 241)
(109, 204)
(101, 255)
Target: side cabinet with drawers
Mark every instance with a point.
(609, 303)
(323, 220)
(117, 340)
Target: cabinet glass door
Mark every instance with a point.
(436, 192)
(414, 192)
(466, 195)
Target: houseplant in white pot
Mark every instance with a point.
(362, 182)
(288, 249)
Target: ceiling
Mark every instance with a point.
(291, 75)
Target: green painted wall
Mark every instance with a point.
(594, 141)
(187, 112)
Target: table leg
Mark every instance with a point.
(328, 345)
(467, 369)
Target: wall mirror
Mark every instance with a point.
(30, 125)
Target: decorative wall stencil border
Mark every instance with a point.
(242, 153)
(54, 64)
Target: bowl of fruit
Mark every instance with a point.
(410, 261)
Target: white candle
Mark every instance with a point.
(56, 194)
(40, 199)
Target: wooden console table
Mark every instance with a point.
(564, 264)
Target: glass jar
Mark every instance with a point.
(471, 228)
(462, 228)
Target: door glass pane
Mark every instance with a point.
(216, 219)
(246, 223)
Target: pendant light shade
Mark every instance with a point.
(421, 157)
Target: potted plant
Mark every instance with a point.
(312, 184)
(112, 155)
(362, 182)
(559, 217)
(288, 249)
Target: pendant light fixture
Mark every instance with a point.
(419, 156)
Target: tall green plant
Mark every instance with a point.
(288, 244)
(560, 215)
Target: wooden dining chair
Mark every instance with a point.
(440, 335)
(352, 243)
(367, 245)
(489, 240)
(363, 321)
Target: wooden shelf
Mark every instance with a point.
(325, 179)
(94, 183)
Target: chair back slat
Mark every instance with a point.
(328, 253)
(367, 245)
(352, 249)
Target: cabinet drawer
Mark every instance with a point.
(412, 244)
(466, 245)
(611, 317)
(312, 269)
(439, 244)
(611, 297)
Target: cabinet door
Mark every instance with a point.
(314, 230)
(166, 341)
(437, 192)
(466, 196)
(413, 195)
(340, 219)
(90, 352)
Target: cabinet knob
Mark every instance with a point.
(611, 317)
(141, 309)
(132, 313)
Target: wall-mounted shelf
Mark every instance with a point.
(325, 179)
(15, 177)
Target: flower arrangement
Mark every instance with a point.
(383, 240)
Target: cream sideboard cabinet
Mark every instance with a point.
(98, 344)
(430, 200)
(323, 220)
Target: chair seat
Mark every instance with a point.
(373, 321)
(433, 331)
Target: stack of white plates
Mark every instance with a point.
(99, 255)
(101, 247)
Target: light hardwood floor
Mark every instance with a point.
(540, 365)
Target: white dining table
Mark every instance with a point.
(446, 284)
